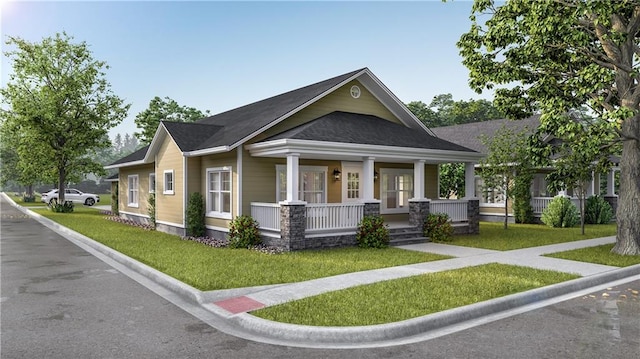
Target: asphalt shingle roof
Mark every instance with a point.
(470, 134)
(135, 156)
(243, 121)
(346, 127)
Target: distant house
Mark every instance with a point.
(492, 200)
(307, 164)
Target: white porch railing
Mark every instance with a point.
(332, 216)
(267, 215)
(539, 204)
(456, 209)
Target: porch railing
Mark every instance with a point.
(332, 216)
(456, 209)
(539, 204)
(267, 215)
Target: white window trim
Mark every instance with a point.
(164, 182)
(395, 171)
(152, 189)
(215, 214)
(129, 202)
(301, 169)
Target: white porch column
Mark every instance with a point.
(590, 186)
(611, 183)
(292, 177)
(469, 180)
(418, 180)
(367, 179)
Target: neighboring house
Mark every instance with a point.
(492, 200)
(306, 164)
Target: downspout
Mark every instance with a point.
(185, 195)
(239, 179)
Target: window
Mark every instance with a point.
(312, 183)
(396, 189)
(489, 196)
(168, 182)
(152, 183)
(132, 192)
(219, 192)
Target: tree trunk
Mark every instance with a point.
(628, 212)
(582, 195)
(62, 177)
(506, 206)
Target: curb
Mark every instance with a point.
(258, 329)
(362, 335)
(184, 290)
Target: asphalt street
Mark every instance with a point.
(58, 301)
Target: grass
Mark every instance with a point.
(494, 236)
(599, 254)
(208, 268)
(380, 303)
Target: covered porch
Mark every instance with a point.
(393, 186)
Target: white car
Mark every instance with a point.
(71, 194)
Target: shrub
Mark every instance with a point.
(28, 199)
(114, 201)
(151, 208)
(372, 232)
(560, 213)
(195, 215)
(66, 207)
(597, 211)
(522, 211)
(438, 227)
(243, 232)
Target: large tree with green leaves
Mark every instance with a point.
(445, 111)
(163, 110)
(554, 56)
(59, 99)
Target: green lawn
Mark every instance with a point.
(382, 302)
(208, 268)
(599, 254)
(494, 236)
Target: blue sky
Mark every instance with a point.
(216, 55)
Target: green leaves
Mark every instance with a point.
(60, 108)
(164, 110)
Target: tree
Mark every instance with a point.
(554, 56)
(117, 143)
(444, 111)
(59, 99)
(507, 158)
(163, 110)
(451, 180)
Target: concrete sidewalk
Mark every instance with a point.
(465, 257)
(230, 308)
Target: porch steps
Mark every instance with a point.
(406, 235)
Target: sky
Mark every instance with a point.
(215, 55)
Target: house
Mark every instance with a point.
(307, 164)
(492, 200)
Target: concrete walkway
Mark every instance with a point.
(230, 308)
(465, 257)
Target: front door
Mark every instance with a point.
(351, 182)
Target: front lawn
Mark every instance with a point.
(401, 299)
(208, 268)
(516, 236)
(599, 255)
